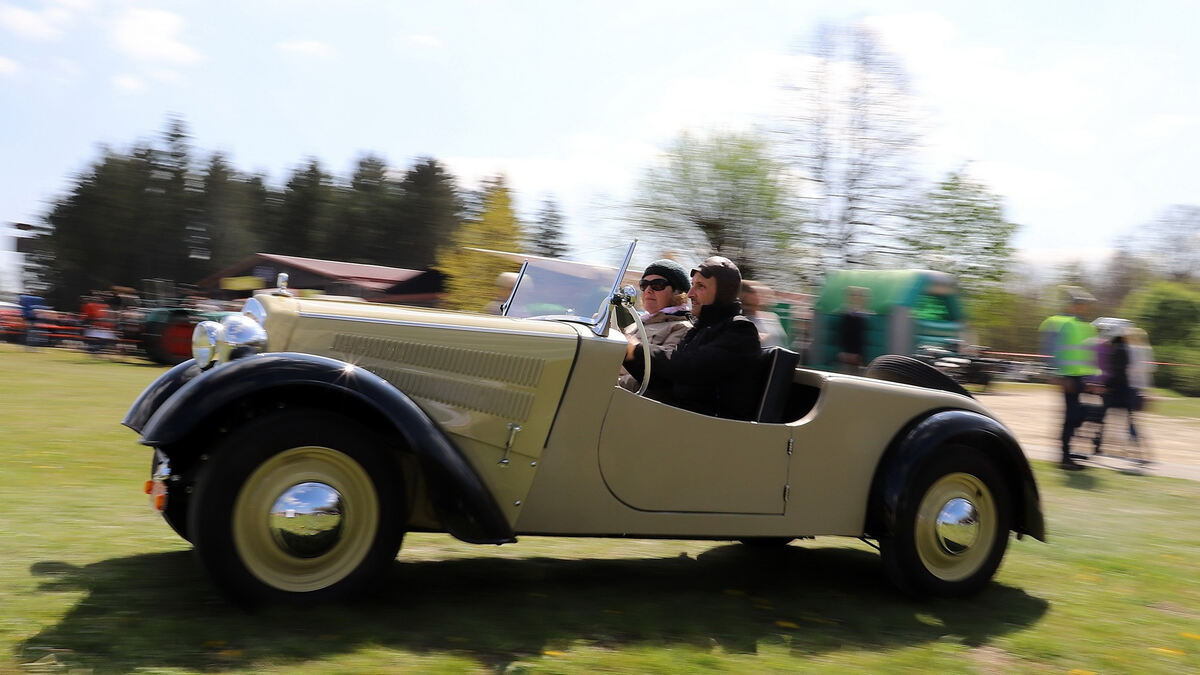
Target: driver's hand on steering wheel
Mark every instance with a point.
(631, 345)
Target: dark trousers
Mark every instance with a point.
(1072, 411)
(1127, 398)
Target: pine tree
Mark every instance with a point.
(547, 236)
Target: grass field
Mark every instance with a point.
(91, 579)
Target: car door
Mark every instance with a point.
(654, 457)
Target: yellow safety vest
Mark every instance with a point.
(1073, 342)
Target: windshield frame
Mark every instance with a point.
(599, 324)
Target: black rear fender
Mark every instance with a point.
(924, 438)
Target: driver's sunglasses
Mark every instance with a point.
(656, 284)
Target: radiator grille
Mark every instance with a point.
(465, 378)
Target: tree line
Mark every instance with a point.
(153, 212)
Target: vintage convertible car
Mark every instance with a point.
(309, 434)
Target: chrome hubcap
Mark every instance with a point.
(957, 526)
(306, 520)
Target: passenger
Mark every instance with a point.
(712, 370)
(755, 298)
(664, 287)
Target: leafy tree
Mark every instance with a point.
(546, 239)
(471, 275)
(427, 215)
(722, 195)
(1005, 321)
(960, 228)
(851, 139)
(1169, 312)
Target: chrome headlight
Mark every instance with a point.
(241, 336)
(205, 338)
(255, 310)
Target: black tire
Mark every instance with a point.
(907, 370)
(939, 547)
(246, 539)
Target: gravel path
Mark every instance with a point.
(1035, 417)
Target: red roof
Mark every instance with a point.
(365, 275)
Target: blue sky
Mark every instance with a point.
(1083, 116)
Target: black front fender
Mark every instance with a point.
(926, 437)
(459, 495)
(159, 391)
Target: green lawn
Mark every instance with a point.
(91, 578)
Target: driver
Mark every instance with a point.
(664, 287)
(710, 372)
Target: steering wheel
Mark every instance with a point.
(624, 298)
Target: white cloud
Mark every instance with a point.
(42, 25)
(310, 48)
(152, 35)
(1028, 184)
(165, 75)
(129, 84)
(734, 98)
(9, 67)
(420, 41)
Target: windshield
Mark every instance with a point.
(564, 289)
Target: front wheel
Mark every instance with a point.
(299, 506)
(951, 528)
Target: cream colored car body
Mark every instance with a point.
(533, 406)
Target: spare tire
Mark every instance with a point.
(907, 370)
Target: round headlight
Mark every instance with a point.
(255, 310)
(241, 336)
(205, 337)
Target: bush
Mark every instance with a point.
(1183, 379)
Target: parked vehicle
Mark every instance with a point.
(12, 326)
(308, 435)
(162, 325)
(965, 365)
(906, 309)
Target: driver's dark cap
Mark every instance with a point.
(727, 275)
(672, 272)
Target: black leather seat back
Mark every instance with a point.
(778, 366)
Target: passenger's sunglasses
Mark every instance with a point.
(656, 284)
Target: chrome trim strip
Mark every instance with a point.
(423, 324)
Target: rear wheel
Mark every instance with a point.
(951, 527)
(300, 506)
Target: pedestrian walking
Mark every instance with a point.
(1069, 341)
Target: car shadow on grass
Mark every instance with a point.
(158, 610)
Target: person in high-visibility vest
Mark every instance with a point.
(1069, 340)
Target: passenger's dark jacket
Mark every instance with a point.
(713, 370)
